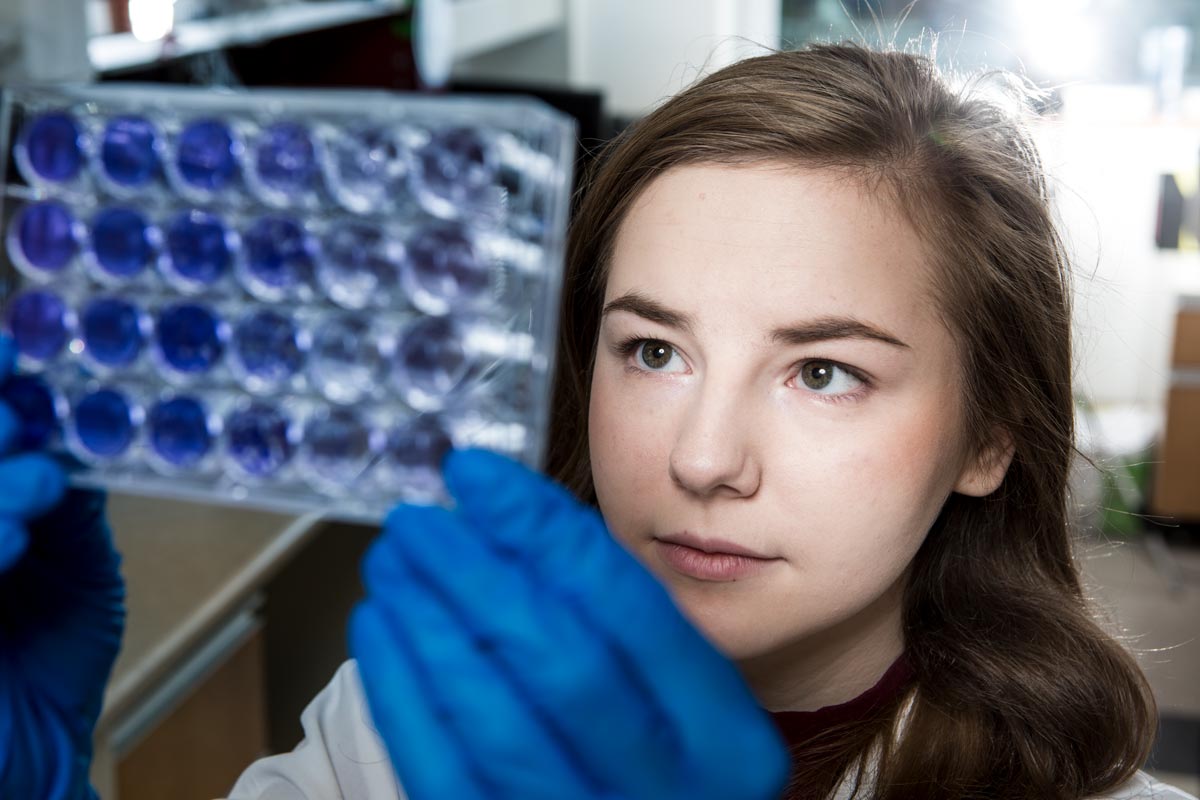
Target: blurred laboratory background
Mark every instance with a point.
(236, 617)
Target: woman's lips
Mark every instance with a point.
(717, 561)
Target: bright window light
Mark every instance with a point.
(151, 20)
(1063, 38)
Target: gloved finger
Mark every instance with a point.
(14, 541)
(8, 356)
(40, 758)
(429, 762)
(504, 748)
(568, 547)
(79, 621)
(10, 426)
(33, 483)
(576, 681)
(518, 752)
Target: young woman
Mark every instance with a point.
(815, 376)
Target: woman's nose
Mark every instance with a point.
(713, 452)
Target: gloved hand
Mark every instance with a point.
(61, 617)
(511, 649)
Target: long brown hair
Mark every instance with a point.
(1017, 691)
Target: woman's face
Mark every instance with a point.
(772, 378)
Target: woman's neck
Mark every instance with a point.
(832, 666)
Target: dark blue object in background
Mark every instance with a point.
(189, 337)
(54, 146)
(199, 245)
(104, 423)
(129, 151)
(30, 397)
(286, 158)
(259, 439)
(122, 241)
(179, 432)
(280, 254)
(207, 155)
(267, 344)
(112, 331)
(39, 325)
(45, 235)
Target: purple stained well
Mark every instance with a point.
(359, 264)
(259, 439)
(455, 170)
(178, 431)
(430, 363)
(345, 361)
(368, 168)
(129, 151)
(286, 158)
(336, 447)
(45, 235)
(444, 270)
(414, 453)
(280, 256)
(105, 423)
(267, 344)
(32, 400)
(190, 337)
(207, 155)
(53, 144)
(112, 331)
(40, 324)
(200, 247)
(122, 241)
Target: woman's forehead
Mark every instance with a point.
(770, 241)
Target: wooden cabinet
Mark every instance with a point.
(1177, 474)
(201, 747)
(186, 709)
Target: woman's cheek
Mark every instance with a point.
(632, 428)
(625, 432)
(900, 485)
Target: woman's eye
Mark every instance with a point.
(826, 377)
(654, 355)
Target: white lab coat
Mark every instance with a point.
(342, 757)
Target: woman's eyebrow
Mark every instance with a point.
(644, 307)
(833, 328)
(816, 330)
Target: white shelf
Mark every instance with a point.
(483, 25)
(479, 26)
(118, 51)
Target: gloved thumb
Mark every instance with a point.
(8, 354)
(14, 540)
(33, 484)
(518, 508)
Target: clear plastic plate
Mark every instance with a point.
(297, 300)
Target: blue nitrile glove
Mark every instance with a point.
(61, 617)
(511, 649)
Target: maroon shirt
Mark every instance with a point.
(799, 727)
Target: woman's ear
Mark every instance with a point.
(983, 473)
